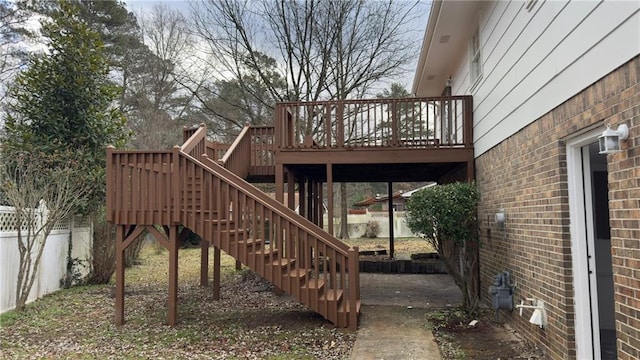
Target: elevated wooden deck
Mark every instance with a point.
(417, 139)
(204, 186)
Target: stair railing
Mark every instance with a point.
(238, 158)
(291, 242)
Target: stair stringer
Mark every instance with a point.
(283, 247)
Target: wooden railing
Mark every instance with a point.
(238, 158)
(216, 150)
(185, 186)
(263, 150)
(253, 148)
(138, 187)
(406, 123)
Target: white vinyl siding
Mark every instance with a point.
(532, 61)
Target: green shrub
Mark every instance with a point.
(446, 216)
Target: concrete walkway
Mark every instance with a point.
(392, 322)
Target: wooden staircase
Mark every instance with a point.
(212, 199)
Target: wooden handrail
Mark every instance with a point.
(195, 145)
(442, 122)
(238, 158)
(288, 214)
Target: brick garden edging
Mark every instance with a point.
(372, 262)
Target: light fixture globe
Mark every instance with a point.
(609, 141)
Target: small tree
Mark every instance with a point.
(446, 216)
(62, 108)
(41, 196)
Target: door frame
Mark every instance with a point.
(586, 324)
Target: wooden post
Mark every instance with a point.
(391, 240)
(395, 140)
(340, 124)
(330, 198)
(291, 190)
(120, 275)
(175, 184)
(320, 205)
(354, 287)
(302, 205)
(173, 275)
(309, 211)
(111, 186)
(280, 182)
(216, 273)
(204, 262)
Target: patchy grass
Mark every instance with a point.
(249, 322)
(402, 246)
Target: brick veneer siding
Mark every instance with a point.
(526, 175)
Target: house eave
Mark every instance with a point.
(446, 39)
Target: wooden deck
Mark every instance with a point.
(205, 187)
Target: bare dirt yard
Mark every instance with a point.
(489, 339)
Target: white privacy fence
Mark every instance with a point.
(53, 263)
(357, 224)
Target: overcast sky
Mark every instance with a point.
(419, 24)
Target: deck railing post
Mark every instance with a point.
(110, 185)
(175, 184)
(327, 120)
(340, 124)
(394, 124)
(468, 122)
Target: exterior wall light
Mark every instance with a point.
(609, 141)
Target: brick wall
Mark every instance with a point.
(526, 176)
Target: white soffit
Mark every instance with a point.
(445, 41)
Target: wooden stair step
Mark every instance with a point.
(220, 222)
(250, 242)
(265, 252)
(313, 284)
(332, 295)
(283, 262)
(298, 273)
(344, 306)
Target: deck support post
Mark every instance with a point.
(216, 273)
(391, 239)
(320, 206)
(120, 274)
(204, 262)
(309, 189)
(173, 274)
(302, 205)
(330, 198)
(470, 170)
(291, 189)
(125, 235)
(279, 182)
